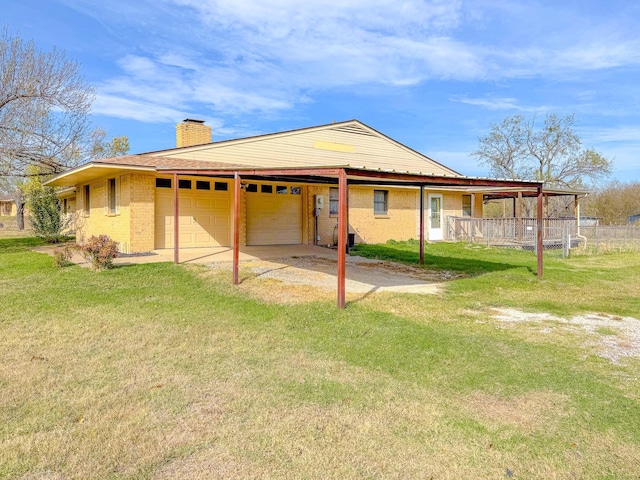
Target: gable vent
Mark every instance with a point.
(354, 129)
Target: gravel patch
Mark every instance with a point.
(617, 337)
(363, 275)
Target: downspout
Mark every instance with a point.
(578, 223)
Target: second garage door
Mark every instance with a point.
(274, 214)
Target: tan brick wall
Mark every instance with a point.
(192, 133)
(402, 221)
(141, 192)
(132, 226)
(99, 221)
(398, 224)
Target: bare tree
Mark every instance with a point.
(614, 202)
(44, 106)
(553, 154)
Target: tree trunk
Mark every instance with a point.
(19, 199)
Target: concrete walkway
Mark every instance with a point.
(297, 265)
(207, 255)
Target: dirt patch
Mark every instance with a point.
(302, 279)
(530, 412)
(616, 337)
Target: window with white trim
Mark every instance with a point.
(112, 196)
(87, 200)
(333, 201)
(380, 202)
(466, 205)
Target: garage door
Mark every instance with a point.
(274, 214)
(204, 213)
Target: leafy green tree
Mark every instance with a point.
(45, 213)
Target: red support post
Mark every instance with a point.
(540, 244)
(176, 221)
(236, 226)
(342, 236)
(421, 224)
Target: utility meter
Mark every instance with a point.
(319, 204)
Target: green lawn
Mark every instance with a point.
(165, 371)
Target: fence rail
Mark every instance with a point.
(556, 233)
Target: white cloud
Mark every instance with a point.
(499, 103)
(117, 106)
(251, 56)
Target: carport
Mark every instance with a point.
(343, 176)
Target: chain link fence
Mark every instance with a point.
(608, 238)
(557, 233)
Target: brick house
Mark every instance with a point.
(276, 189)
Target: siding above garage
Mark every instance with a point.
(345, 144)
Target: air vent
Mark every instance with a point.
(355, 129)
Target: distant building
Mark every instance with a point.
(589, 221)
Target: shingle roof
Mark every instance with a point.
(143, 160)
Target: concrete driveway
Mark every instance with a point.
(307, 265)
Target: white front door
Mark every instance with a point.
(435, 216)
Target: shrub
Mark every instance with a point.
(46, 219)
(100, 251)
(62, 256)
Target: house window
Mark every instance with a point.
(281, 189)
(202, 185)
(252, 187)
(87, 200)
(221, 186)
(266, 188)
(380, 200)
(186, 184)
(295, 190)
(111, 196)
(466, 205)
(333, 201)
(163, 183)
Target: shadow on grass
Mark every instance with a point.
(446, 257)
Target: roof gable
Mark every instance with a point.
(350, 143)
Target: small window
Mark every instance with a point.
(203, 185)
(281, 190)
(111, 194)
(333, 201)
(222, 186)
(252, 187)
(186, 184)
(266, 188)
(466, 205)
(380, 200)
(87, 200)
(163, 183)
(295, 190)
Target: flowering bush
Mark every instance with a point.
(100, 251)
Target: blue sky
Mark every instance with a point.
(431, 74)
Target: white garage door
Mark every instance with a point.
(274, 214)
(204, 213)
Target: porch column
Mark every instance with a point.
(342, 236)
(518, 213)
(421, 224)
(176, 220)
(576, 212)
(540, 244)
(236, 226)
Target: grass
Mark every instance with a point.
(164, 371)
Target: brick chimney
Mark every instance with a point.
(192, 132)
